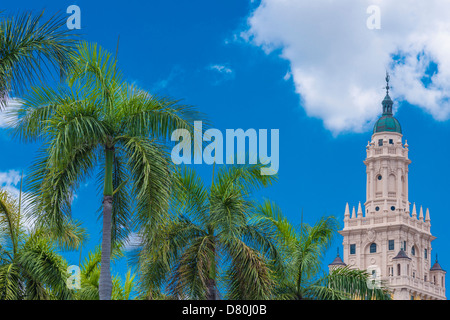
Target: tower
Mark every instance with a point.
(386, 237)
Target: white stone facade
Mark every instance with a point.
(375, 233)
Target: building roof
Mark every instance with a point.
(436, 266)
(387, 122)
(401, 255)
(337, 261)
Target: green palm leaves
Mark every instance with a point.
(29, 48)
(96, 123)
(30, 266)
(211, 240)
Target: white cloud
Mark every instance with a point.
(287, 76)
(221, 68)
(338, 64)
(162, 84)
(4, 119)
(133, 241)
(10, 181)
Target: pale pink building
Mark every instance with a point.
(383, 236)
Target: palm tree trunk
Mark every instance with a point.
(105, 281)
(211, 287)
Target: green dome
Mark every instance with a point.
(387, 122)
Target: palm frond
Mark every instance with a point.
(9, 219)
(148, 115)
(11, 285)
(148, 168)
(30, 47)
(345, 283)
(42, 266)
(250, 276)
(95, 70)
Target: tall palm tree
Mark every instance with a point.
(98, 122)
(212, 240)
(30, 47)
(303, 248)
(30, 265)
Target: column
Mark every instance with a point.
(385, 179)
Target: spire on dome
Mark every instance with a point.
(387, 82)
(436, 266)
(387, 122)
(387, 102)
(337, 261)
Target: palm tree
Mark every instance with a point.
(211, 241)
(97, 121)
(303, 248)
(30, 265)
(29, 47)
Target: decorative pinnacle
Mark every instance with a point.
(427, 216)
(359, 213)
(387, 82)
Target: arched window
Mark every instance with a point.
(398, 269)
(392, 183)
(413, 250)
(403, 186)
(373, 248)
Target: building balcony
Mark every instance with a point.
(423, 288)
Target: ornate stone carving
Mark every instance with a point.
(371, 235)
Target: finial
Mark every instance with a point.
(387, 102)
(359, 213)
(338, 251)
(387, 82)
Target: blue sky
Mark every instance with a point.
(237, 62)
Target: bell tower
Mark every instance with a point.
(387, 164)
(383, 236)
